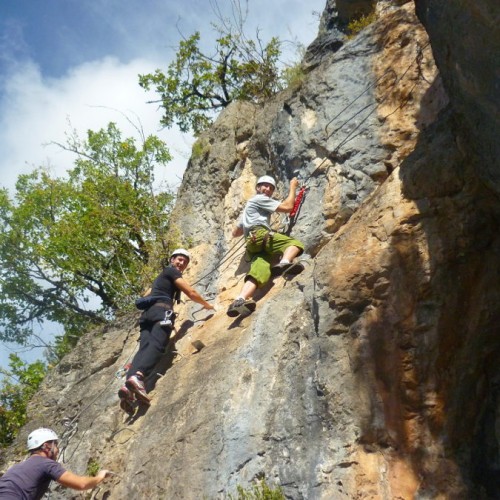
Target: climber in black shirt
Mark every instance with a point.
(156, 325)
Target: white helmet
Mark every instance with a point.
(40, 436)
(181, 251)
(267, 179)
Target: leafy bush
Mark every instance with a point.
(259, 491)
(16, 389)
(294, 75)
(200, 149)
(93, 467)
(359, 23)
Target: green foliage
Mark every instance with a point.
(62, 345)
(16, 389)
(200, 148)
(294, 75)
(360, 22)
(93, 467)
(260, 491)
(197, 85)
(64, 241)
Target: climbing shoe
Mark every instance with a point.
(241, 306)
(136, 385)
(127, 400)
(290, 269)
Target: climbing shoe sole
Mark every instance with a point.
(288, 269)
(246, 307)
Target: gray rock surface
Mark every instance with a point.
(374, 373)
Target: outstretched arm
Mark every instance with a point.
(76, 482)
(185, 287)
(287, 204)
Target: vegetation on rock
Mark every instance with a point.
(93, 467)
(359, 23)
(73, 250)
(259, 491)
(197, 84)
(16, 389)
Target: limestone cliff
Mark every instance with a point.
(373, 374)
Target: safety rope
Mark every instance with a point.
(233, 250)
(298, 201)
(73, 422)
(292, 216)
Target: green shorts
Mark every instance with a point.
(263, 251)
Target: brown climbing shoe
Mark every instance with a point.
(136, 385)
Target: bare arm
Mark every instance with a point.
(184, 286)
(76, 482)
(287, 204)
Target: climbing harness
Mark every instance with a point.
(260, 241)
(143, 303)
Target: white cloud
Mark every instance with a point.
(37, 111)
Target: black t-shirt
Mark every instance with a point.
(164, 286)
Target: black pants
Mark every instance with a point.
(153, 341)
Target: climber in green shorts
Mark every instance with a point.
(263, 244)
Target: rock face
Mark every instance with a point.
(373, 374)
(470, 71)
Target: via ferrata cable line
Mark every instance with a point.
(293, 216)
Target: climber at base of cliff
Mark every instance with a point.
(156, 323)
(31, 479)
(263, 244)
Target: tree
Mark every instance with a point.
(73, 250)
(197, 85)
(16, 389)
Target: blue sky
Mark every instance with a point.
(73, 64)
